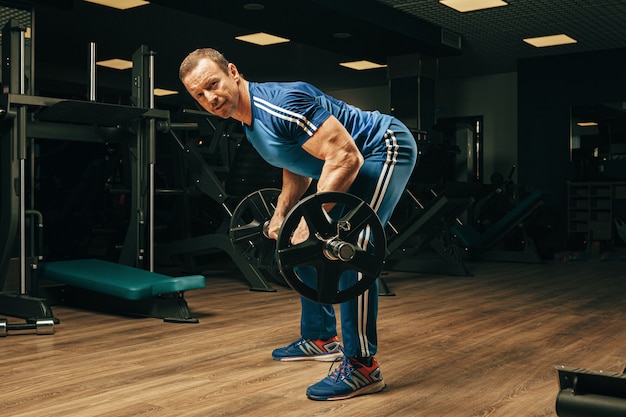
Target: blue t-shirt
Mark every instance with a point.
(285, 115)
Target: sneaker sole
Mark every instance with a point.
(370, 389)
(330, 357)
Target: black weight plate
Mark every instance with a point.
(365, 233)
(246, 227)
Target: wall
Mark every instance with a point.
(495, 98)
(526, 116)
(373, 98)
(548, 87)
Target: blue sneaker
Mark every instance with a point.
(309, 350)
(350, 378)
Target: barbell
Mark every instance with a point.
(348, 238)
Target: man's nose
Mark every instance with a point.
(210, 97)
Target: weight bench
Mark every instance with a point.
(484, 245)
(93, 283)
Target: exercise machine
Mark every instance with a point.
(219, 164)
(26, 118)
(590, 393)
(426, 228)
(418, 233)
(489, 244)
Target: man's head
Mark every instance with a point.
(212, 81)
(193, 59)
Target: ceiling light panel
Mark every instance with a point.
(472, 5)
(161, 92)
(361, 65)
(552, 40)
(120, 4)
(262, 39)
(116, 63)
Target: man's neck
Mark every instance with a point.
(244, 108)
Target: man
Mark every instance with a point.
(313, 136)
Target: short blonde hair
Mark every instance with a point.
(193, 59)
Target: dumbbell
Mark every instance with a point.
(41, 326)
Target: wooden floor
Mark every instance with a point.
(484, 345)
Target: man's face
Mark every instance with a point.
(216, 91)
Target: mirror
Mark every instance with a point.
(598, 141)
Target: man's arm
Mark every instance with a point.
(342, 159)
(294, 186)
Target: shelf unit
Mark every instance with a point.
(591, 208)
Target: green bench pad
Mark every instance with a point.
(116, 279)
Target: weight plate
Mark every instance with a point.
(352, 222)
(246, 230)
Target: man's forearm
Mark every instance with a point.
(294, 186)
(338, 175)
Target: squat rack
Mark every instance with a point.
(24, 116)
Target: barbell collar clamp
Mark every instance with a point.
(266, 229)
(339, 250)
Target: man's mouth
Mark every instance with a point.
(217, 108)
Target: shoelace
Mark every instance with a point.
(343, 371)
(298, 342)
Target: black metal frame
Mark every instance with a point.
(205, 180)
(24, 117)
(589, 393)
(428, 226)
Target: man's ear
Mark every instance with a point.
(232, 70)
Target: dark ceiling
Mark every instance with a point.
(491, 40)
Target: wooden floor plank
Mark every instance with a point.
(483, 345)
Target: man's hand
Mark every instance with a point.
(274, 226)
(301, 233)
(294, 186)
